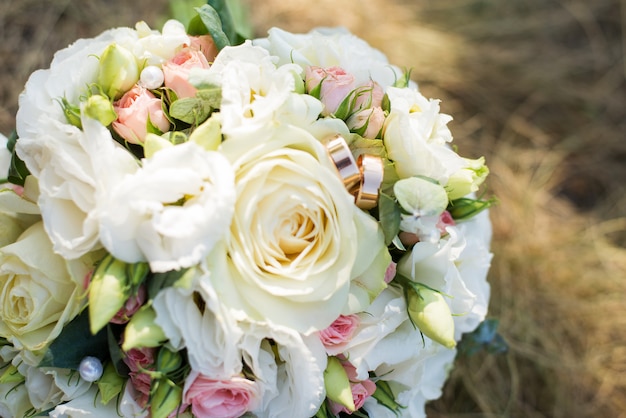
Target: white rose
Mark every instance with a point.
(416, 136)
(294, 237)
(172, 211)
(326, 47)
(40, 291)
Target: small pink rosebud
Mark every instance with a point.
(176, 71)
(367, 122)
(339, 332)
(134, 110)
(390, 273)
(131, 306)
(445, 220)
(336, 85)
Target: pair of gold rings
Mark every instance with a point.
(362, 177)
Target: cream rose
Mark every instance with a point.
(296, 234)
(39, 290)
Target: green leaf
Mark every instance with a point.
(235, 22)
(110, 384)
(208, 21)
(75, 343)
(191, 110)
(211, 96)
(389, 217)
(183, 10)
(17, 170)
(420, 197)
(465, 207)
(384, 395)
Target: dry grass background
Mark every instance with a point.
(539, 88)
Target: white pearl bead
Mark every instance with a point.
(90, 369)
(151, 77)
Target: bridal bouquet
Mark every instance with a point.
(194, 224)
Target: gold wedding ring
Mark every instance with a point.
(363, 178)
(342, 157)
(371, 168)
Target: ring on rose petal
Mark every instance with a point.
(342, 157)
(371, 168)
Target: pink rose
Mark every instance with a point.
(176, 71)
(134, 110)
(390, 273)
(220, 398)
(138, 359)
(361, 390)
(205, 45)
(339, 333)
(445, 220)
(367, 122)
(369, 96)
(131, 306)
(336, 86)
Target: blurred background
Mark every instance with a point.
(536, 86)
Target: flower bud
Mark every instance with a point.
(209, 134)
(431, 314)
(168, 361)
(108, 291)
(118, 71)
(142, 331)
(337, 384)
(11, 375)
(468, 179)
(165, 399)
(72, 113)
(100, 108)
(110, 384)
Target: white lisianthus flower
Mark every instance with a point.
(438, 265)
(5, 159)
(40, 291)
(294, 238)
(326, 47)
(416, 137)
(290, 373)
(172, 211)
(213, 352)
(256, 94)
(14, 400)
(72, 167)
(47, 387)
(154, 47)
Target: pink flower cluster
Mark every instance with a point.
(339, 92)
(139, 107)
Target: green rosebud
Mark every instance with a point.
(337, 384)
(384, 395)
(72, 113)
(165, 398)
(209, 134)
(468, 179)
(100, 108)
(431, 314)
(141, 331)
(110, 384)
(108, 291)
(11, 375)
(168, 361)
(118, 71)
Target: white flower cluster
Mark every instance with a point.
(277, 273)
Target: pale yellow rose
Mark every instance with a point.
(40, 291)
(296, 236)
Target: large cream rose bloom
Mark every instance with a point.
(39, 290)
(296, 236)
